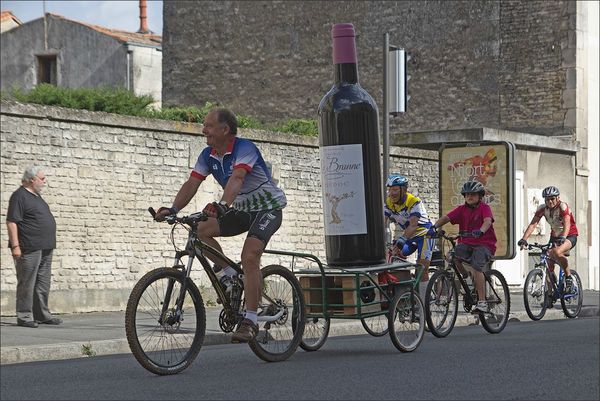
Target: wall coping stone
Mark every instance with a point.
(54, 113)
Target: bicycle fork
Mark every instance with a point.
(175, 317)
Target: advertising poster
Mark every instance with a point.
(492, 165)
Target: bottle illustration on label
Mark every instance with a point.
(343, 189)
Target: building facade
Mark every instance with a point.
(518, 67)
(73, 54)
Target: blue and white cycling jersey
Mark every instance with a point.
(258, 191)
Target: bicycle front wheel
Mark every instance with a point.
(406, 320)
(163, 338)
(571, 302)
(498, 299)
(441, 303)
(535, 295)
(316, 331)
(281, 317)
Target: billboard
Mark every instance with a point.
(492, 164)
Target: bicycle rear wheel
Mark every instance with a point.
(281, 315)
(534, 295)
(376, 326)
(164, 340)
(441, 303)
(316, 331)
(571, 303)
(406, 320)
(498, 299)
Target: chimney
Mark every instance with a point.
(143, 19)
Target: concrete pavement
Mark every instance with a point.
(103, 333)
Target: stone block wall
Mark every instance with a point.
(105, 170)
(498, 64)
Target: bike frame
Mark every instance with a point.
(468, 296)
(546, 272)
(195, 248)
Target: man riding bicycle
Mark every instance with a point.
(251, 202)
(477, 249)
(409, 213)
(563, 230)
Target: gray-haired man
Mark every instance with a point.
(32, 238)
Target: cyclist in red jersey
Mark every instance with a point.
(563, 230)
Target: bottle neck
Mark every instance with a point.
(345, 73)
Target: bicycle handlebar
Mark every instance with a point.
(541, 247)
(189, 220)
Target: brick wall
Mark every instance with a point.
(499, 64)
(105, 170)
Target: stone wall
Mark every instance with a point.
(105, 170)
(498, 64)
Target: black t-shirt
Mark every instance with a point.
(35, 223)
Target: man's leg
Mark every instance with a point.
(41, 312)
(558, 253)
(248, 328)
(207, 231)
(27, 267)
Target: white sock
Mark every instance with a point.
(230, 271)
(251, 315)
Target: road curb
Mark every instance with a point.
(74, 350)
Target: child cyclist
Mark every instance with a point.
(409, 213)
(477, 249)
(563, 230)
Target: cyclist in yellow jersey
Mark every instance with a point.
(408, 212)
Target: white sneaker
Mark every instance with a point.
(481, 306)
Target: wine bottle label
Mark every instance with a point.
(343, 187)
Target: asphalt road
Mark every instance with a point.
(546, 360)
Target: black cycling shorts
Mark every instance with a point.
(261, 225)
(571, 238)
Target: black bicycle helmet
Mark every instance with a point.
(550, 191)
(472, 186)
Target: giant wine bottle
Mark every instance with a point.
(350, 168)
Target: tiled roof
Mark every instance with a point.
(6, 15)
(149, 39)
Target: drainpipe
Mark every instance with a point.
(129, 62)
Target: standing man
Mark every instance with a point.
(251, 202)
(32, 238)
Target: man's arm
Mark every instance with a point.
(13, 239)
(534, 222)
(183, 197)
(413, 224)
(187, 192)
(234, 185)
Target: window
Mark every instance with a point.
(46, 69)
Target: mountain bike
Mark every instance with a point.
(441, 295)
(542, 289)
(165, 319)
